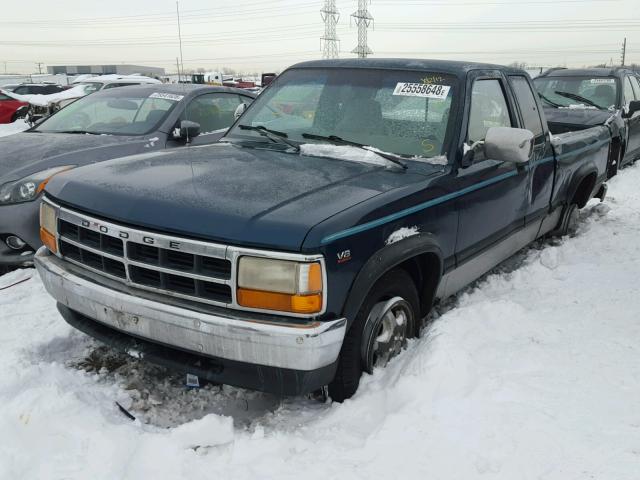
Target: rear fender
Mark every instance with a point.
(588, 173)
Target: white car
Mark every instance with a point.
(101, 82)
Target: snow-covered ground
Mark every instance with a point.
(532, 373)
(11, 128)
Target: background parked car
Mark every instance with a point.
(108, 124)
(94, 84)
(10, 107)
(38, 89)
(583, 98)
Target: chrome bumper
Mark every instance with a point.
(305, 347)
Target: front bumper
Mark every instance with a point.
(21, 220)
(302, 351)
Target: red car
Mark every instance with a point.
(9, 107)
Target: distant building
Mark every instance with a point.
(106, 70)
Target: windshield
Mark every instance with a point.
(402, 112)
(578, 92)
(90, 87)
(125, 114)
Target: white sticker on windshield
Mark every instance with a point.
(422, 90)
(603, 80)
(167, 96)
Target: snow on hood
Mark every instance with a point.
(356, 154)
(10, 128)
(45, 100)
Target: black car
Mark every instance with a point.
(38, 89)
(582, 98)
(105, 125)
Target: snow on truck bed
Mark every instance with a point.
(534, 372)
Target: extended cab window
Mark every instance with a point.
(528, 105)
(629, 94)
(488, 109)
(636, 87)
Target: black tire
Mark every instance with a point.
(396, 283)
(569, 221)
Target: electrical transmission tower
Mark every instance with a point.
(623, 53)
(363, 19)
(330, 42)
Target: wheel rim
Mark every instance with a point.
(389, 323)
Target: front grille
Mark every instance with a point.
(180, 267)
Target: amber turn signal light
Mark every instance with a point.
(48, 240)
(283, 302)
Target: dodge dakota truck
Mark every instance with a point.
(310, 245)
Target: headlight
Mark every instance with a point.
(28, 188)
(280, 285)
(49, 226)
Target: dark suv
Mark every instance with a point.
(38, 89)
(582, 98)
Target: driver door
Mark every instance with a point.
(494, 204)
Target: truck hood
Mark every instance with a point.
(26, 153)
(577, 116)
(228, 194)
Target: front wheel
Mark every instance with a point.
(388, 317)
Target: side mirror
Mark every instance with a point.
(634, 106)
(186, 131)
(239, 111)
(21, 112)
(508, 144)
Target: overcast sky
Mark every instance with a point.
(252, 35)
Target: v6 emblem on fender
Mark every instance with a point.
(344, 256)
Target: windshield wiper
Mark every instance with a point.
(550, 102)
(273, 135)
(80, 132)
(397, 159)
(578, 98)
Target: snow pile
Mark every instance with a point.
(401, 234)
(532, 373)
(343, 152)
(356, 154)
(15, 127)
(45, 100)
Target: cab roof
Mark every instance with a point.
(587, 72)
(458, 68)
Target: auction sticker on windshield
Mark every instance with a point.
(167, 96)
(603, 80)
(422, 90)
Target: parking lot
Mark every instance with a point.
(529, 373)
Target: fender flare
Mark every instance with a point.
(384, 260)
(578, 177)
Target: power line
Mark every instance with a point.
(330, 42)
(362, 19)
